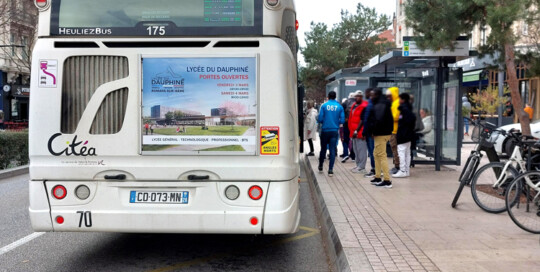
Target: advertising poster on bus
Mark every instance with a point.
(199, 105)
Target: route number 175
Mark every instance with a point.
(156, 30)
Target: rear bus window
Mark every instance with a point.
(156, 18)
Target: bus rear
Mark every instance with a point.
(164, 116)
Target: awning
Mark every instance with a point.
(471, 76)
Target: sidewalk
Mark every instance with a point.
(412, 226)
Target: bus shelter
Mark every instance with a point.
(437, 101)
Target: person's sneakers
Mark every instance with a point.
(310, 154)
(342, 156)
(356, 167)
(376, 181)
(394, 170)
(330, 173)
(400, 174)
(359, 171)
(346, 158)
(320, 167)
(371, 174)
(385, 184)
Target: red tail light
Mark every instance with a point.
(297, 25)
(59, 192)
(254, 221)
(41, 4)
(60, 220)
(255, 192)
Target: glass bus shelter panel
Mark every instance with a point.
(422, 85)
(451, 116)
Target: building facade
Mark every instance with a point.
(18, 22)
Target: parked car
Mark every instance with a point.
(504, 146)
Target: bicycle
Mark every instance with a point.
(488, 186)
(483, 135)
(523, 195)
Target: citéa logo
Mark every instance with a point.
(73, 148)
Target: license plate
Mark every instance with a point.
(159, 197)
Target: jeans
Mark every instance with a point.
(370, 147)
(345, 140)
(404, 151)
(329, 140)
(381, 165)
(466, 122)
(360, 149)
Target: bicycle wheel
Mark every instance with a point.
(473, 163)
(487, 197)
(523, 203)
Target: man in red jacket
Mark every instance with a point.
(356, 127)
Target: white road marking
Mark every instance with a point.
(20, 242)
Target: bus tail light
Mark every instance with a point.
(60, 220)
(297, 25)
(82, 192)
(254, 221)
(42, 4)
(59, 192)
(272, 3)
(232, 192)
(255, 192)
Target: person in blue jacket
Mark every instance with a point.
(331, 116)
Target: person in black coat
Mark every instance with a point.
(405, 135)
(380, 125)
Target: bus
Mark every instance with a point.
(165, 116)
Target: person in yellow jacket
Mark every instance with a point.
(394, 93)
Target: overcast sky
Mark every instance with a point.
(329, 12)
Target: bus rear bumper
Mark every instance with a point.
(108, 209)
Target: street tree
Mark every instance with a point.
(440, 22)
(350, 43)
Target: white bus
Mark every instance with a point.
(151, 116)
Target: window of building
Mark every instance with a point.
(483, 36)
(12, 39)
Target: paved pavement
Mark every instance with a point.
(412, 226)
(302, 251)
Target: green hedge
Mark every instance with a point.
(13, 149)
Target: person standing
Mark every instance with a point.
(419, 126)
(356, 126)
(331, 117)
(466, 108)
(366, 132)
(146, 126)
(348, 152)
(529, 110)
(310, 126)
(405, 135)
(394, 92)
(381, 125)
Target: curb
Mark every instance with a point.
(8, 173)
(334, 248)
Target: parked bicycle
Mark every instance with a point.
(523, 194)
(489, 184)
(485, 136)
